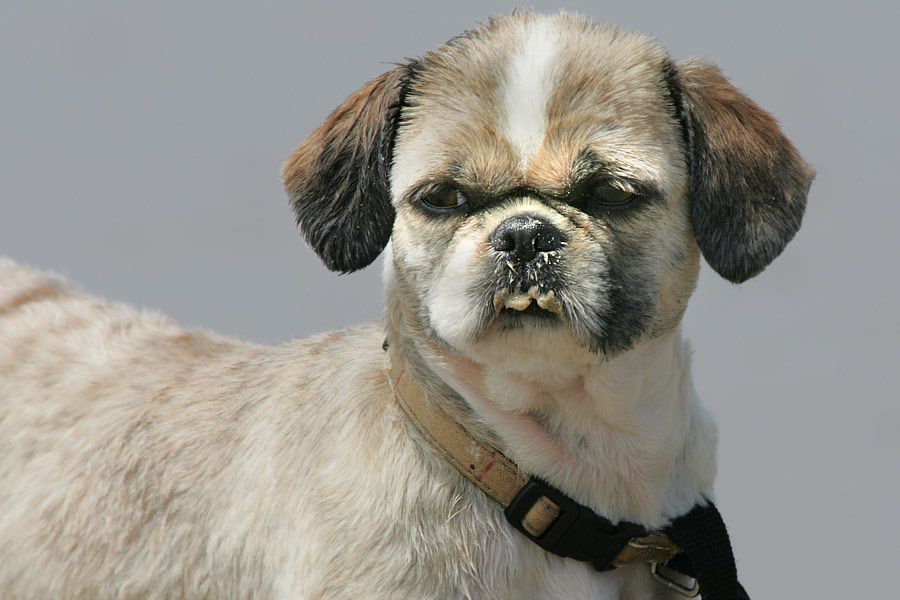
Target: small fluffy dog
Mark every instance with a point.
(547, 186)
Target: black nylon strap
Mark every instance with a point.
(707, 554)
(578, 532)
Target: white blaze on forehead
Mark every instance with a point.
(529, 83)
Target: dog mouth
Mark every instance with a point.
(514, 307)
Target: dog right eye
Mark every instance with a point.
(444, 199)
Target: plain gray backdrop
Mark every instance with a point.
(139, 153)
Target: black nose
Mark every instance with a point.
(523, 236)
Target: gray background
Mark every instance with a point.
(139, 155)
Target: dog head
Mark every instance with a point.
(545, 178)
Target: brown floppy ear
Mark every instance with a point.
(748, 184)
(338, 177)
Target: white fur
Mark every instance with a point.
(528, 87)
(627, 436)
(450, 301)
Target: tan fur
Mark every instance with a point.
(140, 460)
(357, 112)
(734, 115)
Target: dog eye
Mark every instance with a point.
(444, 199)
(610, 195)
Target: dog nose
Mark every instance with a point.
(523, 236)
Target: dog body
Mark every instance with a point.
(548, 186)
(140, 460)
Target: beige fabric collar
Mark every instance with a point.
(495, 474)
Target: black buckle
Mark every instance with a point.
(578, 532)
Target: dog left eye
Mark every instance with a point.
(444, 199)
(611, 196)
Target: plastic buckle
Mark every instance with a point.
(578, 532)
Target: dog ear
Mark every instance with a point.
(338, 177)
(748, 184)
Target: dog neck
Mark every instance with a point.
(625, 436)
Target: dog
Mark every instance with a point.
(543, 188)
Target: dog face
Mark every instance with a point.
(547, 180)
